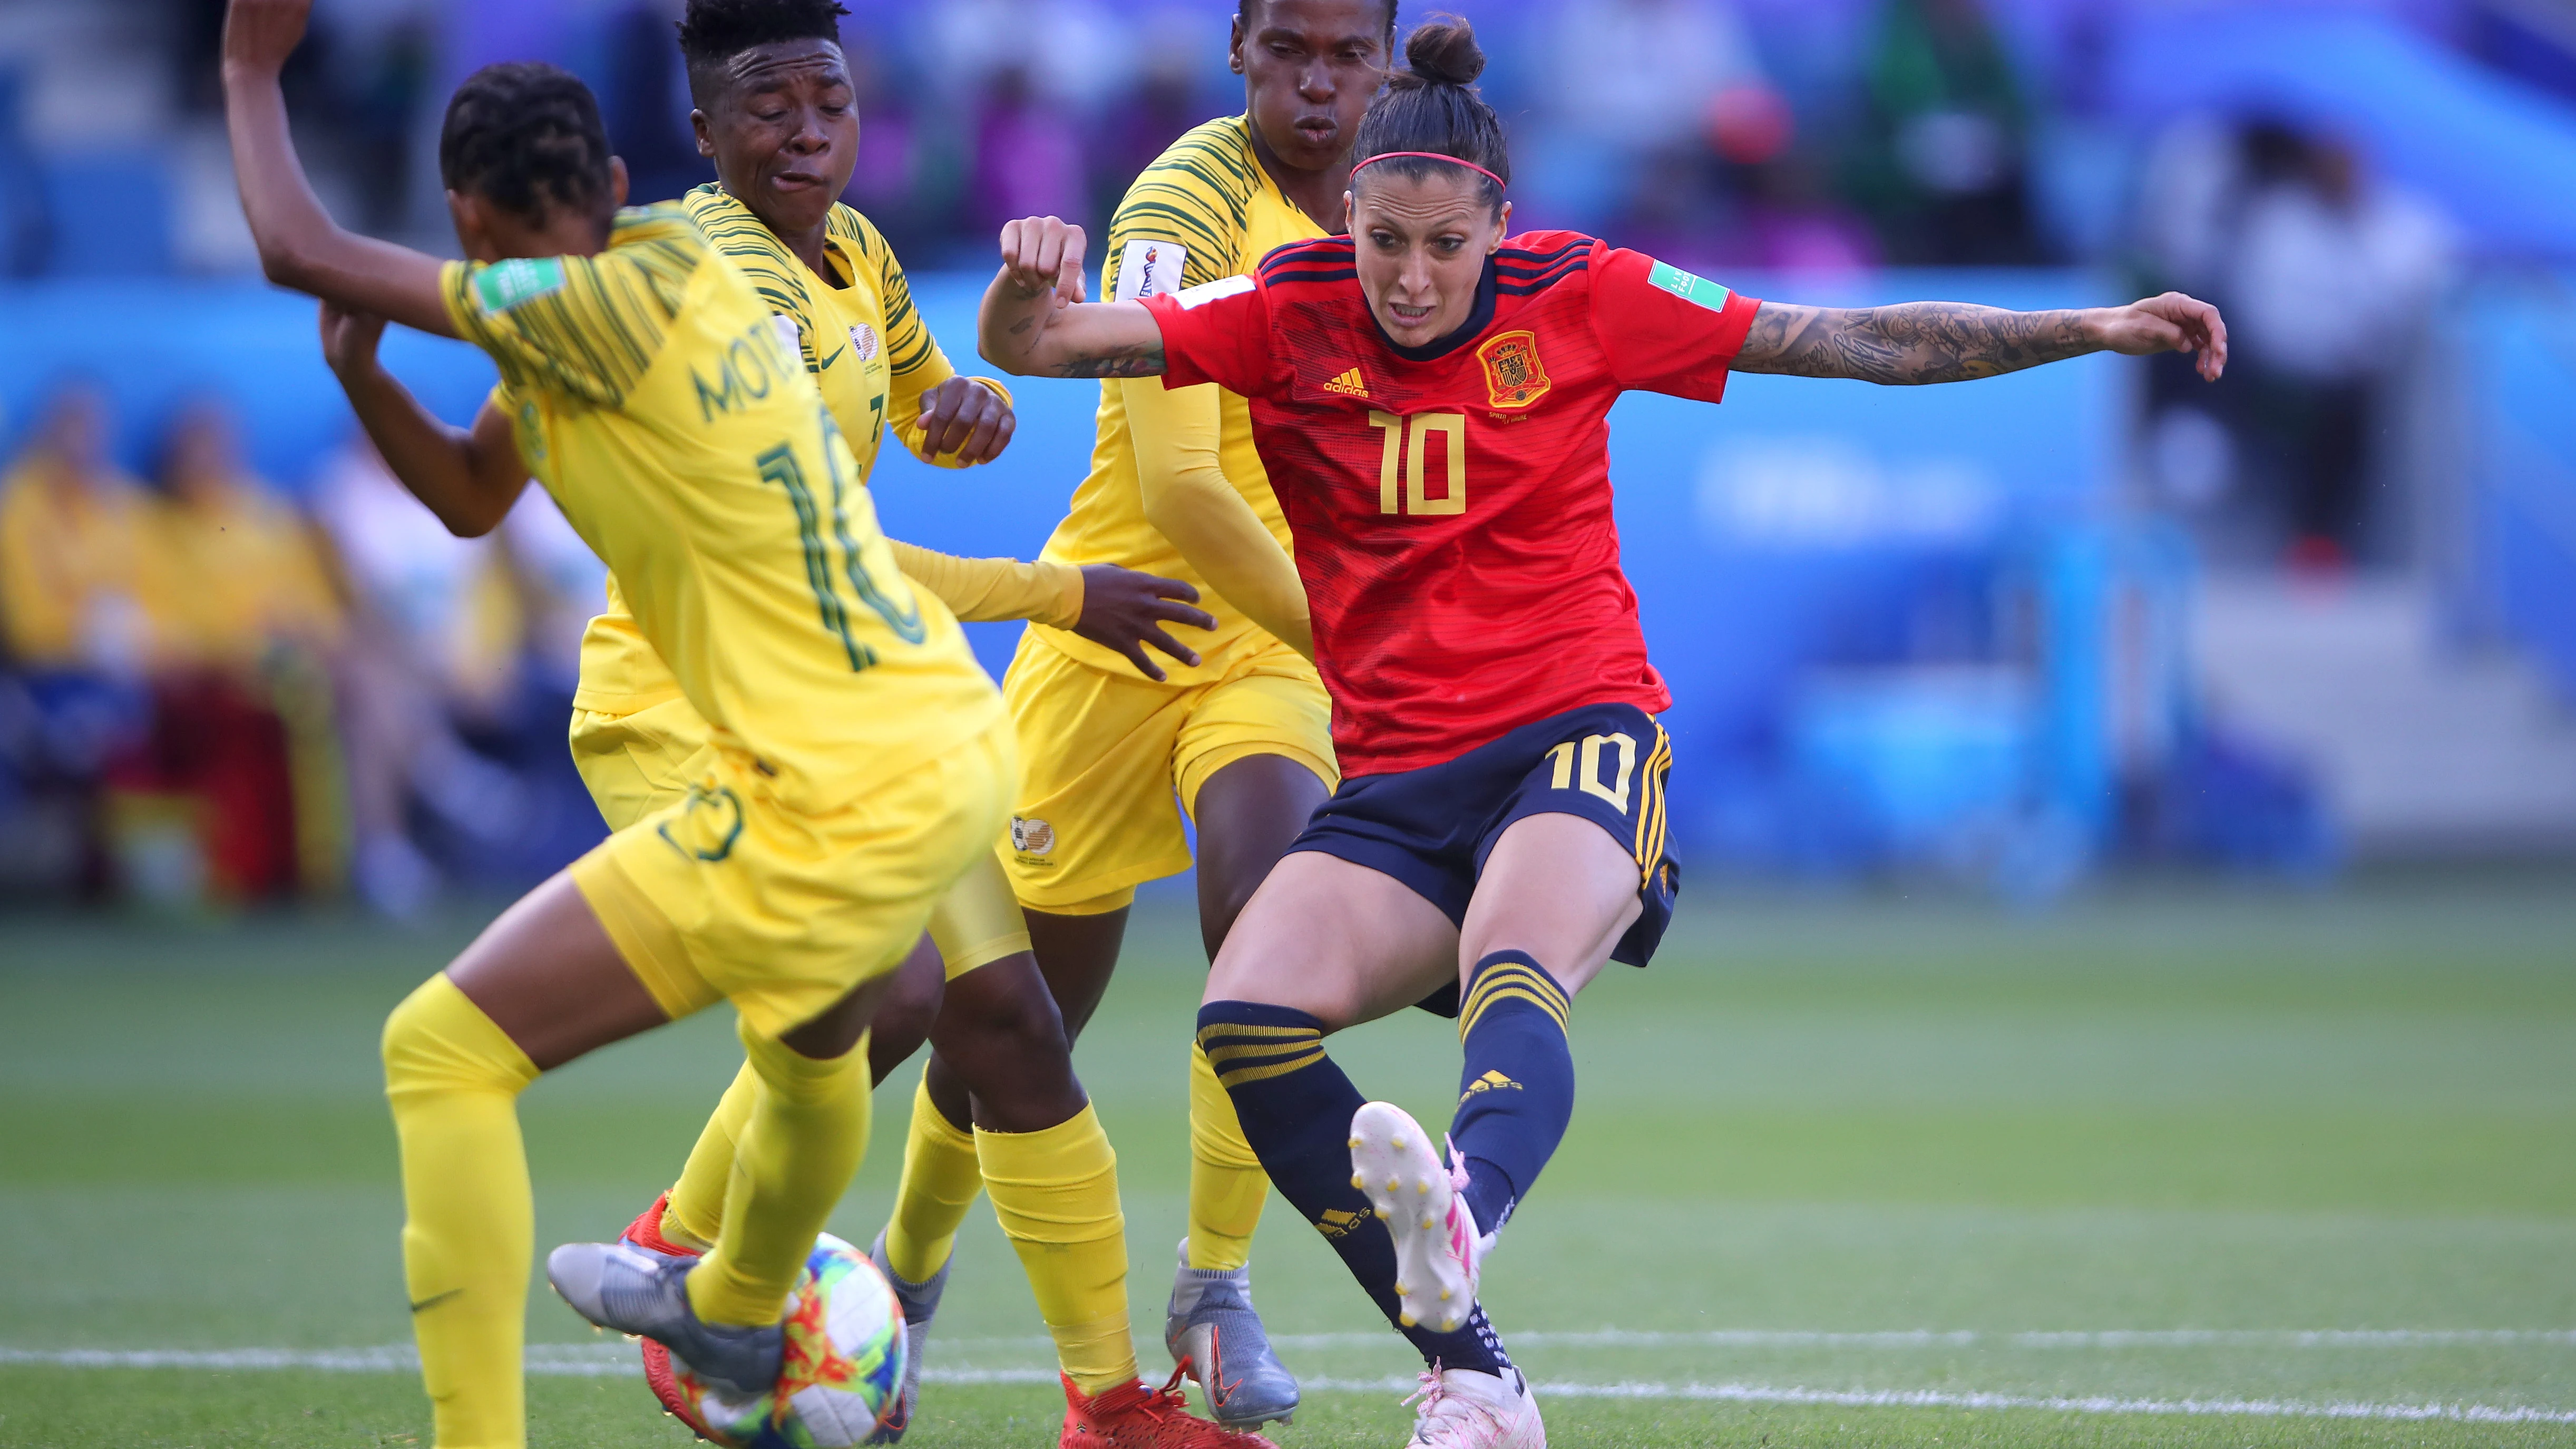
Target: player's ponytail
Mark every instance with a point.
(1431, 108)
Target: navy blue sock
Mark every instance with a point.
(1296, 1107)
(1516, 1089)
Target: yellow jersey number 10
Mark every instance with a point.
(779, 465)
(1406, 489)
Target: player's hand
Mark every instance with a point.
(1124, 610)
(349, 339)
(2170, 323)
(260, 34)
(1041, 253)
(964, 417)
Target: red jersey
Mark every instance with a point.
(1451, 503)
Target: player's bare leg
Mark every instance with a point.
(1077, 955)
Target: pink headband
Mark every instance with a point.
(1432, 156)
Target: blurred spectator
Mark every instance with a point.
(1028, 154)
(1638, 75)
(1632, 85)
(893, 184)
(2328, 280)
(242, 754)
(1942, 161)
(254, 570)
(84, 582)
(1789, 221)
(437, 642)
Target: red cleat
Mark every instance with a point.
(664, 1381)
(646, 1232)
(1138, 1416)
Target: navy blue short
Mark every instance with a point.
(1432, 828)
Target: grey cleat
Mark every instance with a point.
(1216, 1338)
(622, 1287)
(919, 1301)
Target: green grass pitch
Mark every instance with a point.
(2172, 1165)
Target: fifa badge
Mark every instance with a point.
(1514, 377)
(1031, 837)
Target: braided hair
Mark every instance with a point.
(526, 136)
(715, 31)
(1431, 105)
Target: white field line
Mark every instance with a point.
(607, 1360)
(1937, 1338)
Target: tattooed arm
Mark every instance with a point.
(1035, 323)
(1920, 342)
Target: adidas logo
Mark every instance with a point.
(1489, 1082)
(1349, 384)
(1337, 1223)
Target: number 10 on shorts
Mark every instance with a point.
(1578, 766)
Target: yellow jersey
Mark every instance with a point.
(861, 339)
(1204, 211)
(653, 396)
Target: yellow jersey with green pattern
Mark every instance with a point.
(1204, 211)
(861, 339)
(652, 396)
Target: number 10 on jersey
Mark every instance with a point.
(1403, 471)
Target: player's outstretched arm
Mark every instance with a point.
(299, 245)
(1921, 342)
(1034, 322)
(468, 477)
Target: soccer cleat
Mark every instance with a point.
(1437, 1248)
(664, 1381)
(646, 1232)
(622, 1287)
(1216, 1338)
(919, 1301)
(1136, 1415)
(1466, 1409)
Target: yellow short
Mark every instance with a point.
(638, 763)
(731, 892)
(1106, 754)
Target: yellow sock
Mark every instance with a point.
(695, 1214)
(1227, 1182)
(1056, 1194)
(454, 1080)
(800, 1145)
(940, 1179)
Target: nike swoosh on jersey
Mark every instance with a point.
(835, 357)
(425, 1304)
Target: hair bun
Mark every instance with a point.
(1443, 52)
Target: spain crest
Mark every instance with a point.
(1514, 377)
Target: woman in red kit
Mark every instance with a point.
(1432, 399)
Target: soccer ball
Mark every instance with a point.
(844, 1365)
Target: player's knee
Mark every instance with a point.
(437, 1040)
(1025, 1026)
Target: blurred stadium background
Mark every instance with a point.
(2131, 825)
(2011, 635)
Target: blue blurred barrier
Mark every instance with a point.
(2524, 503)
(154, 343)
(1890, 616)
(2497, 154)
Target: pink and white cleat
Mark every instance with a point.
(1437, 1247)
(1466, 1409)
